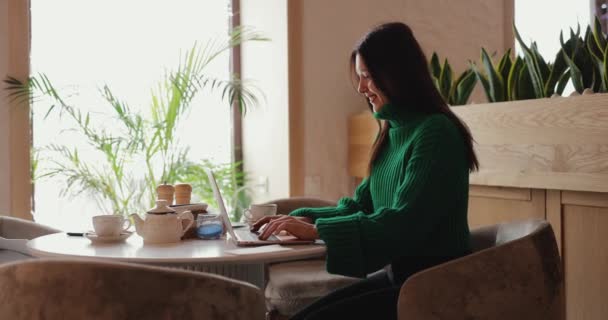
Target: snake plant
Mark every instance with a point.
(579, 61)
(546, 78)
(588, 59)
(494, 77)
(597, 46)
(454, 91)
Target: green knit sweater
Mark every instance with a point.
(414, 203)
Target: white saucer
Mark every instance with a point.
(107, 239)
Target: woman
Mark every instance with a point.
(411, 212)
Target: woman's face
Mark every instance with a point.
(367, 87)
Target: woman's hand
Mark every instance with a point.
(265, 220)
(300, 227)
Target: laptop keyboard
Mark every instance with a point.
(253, 236)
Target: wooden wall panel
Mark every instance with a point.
(362, 131)
(16, 48)
(492, 205)
(585, 258)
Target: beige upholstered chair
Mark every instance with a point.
(514, 273)
(293, 285)
(79, 289)
(14, 233)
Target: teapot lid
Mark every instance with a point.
(161, 207)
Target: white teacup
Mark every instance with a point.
(110, 225)
(258, 211)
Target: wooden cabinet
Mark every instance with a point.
(584, 240)
(491, 205)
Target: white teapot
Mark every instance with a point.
(162, 224)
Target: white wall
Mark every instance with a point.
(4, 115)
(265, 129)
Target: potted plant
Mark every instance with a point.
(145, 151)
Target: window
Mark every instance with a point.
(542, 20)
(127, 45)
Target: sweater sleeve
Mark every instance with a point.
(360, 243)
(360, 202)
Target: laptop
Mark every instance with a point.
(245, 237)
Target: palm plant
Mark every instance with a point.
(143, 142)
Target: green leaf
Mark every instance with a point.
(495, 81)
(596, 55)
(541, 65)
(557, 70)
(595, 80)
(445, 80)
(504, 67)
(524, 84)
(605, 68)
(584, 61)
(532, 66)
(575, 75)
(464, 87)
(435, 66)
(512, 79)
(484, 82)
(561, 84)
(598, 35)
(436, 83)
(17, 90)
(592, 46)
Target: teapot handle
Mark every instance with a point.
(186, 216)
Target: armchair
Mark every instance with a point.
(14, 233)
(515, 272)
(80, 289)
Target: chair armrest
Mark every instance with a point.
(287, 205)
(517, 280)
(15, 228)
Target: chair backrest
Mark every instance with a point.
(515, 272)
(490, 236)
(78, 289)
(287, 205)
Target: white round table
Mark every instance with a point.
(217, 256)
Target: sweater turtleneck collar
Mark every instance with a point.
(397, 116)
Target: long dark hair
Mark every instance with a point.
(399, 69)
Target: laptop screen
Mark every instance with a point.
(220, 203)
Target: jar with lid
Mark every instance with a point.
(209, 226)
